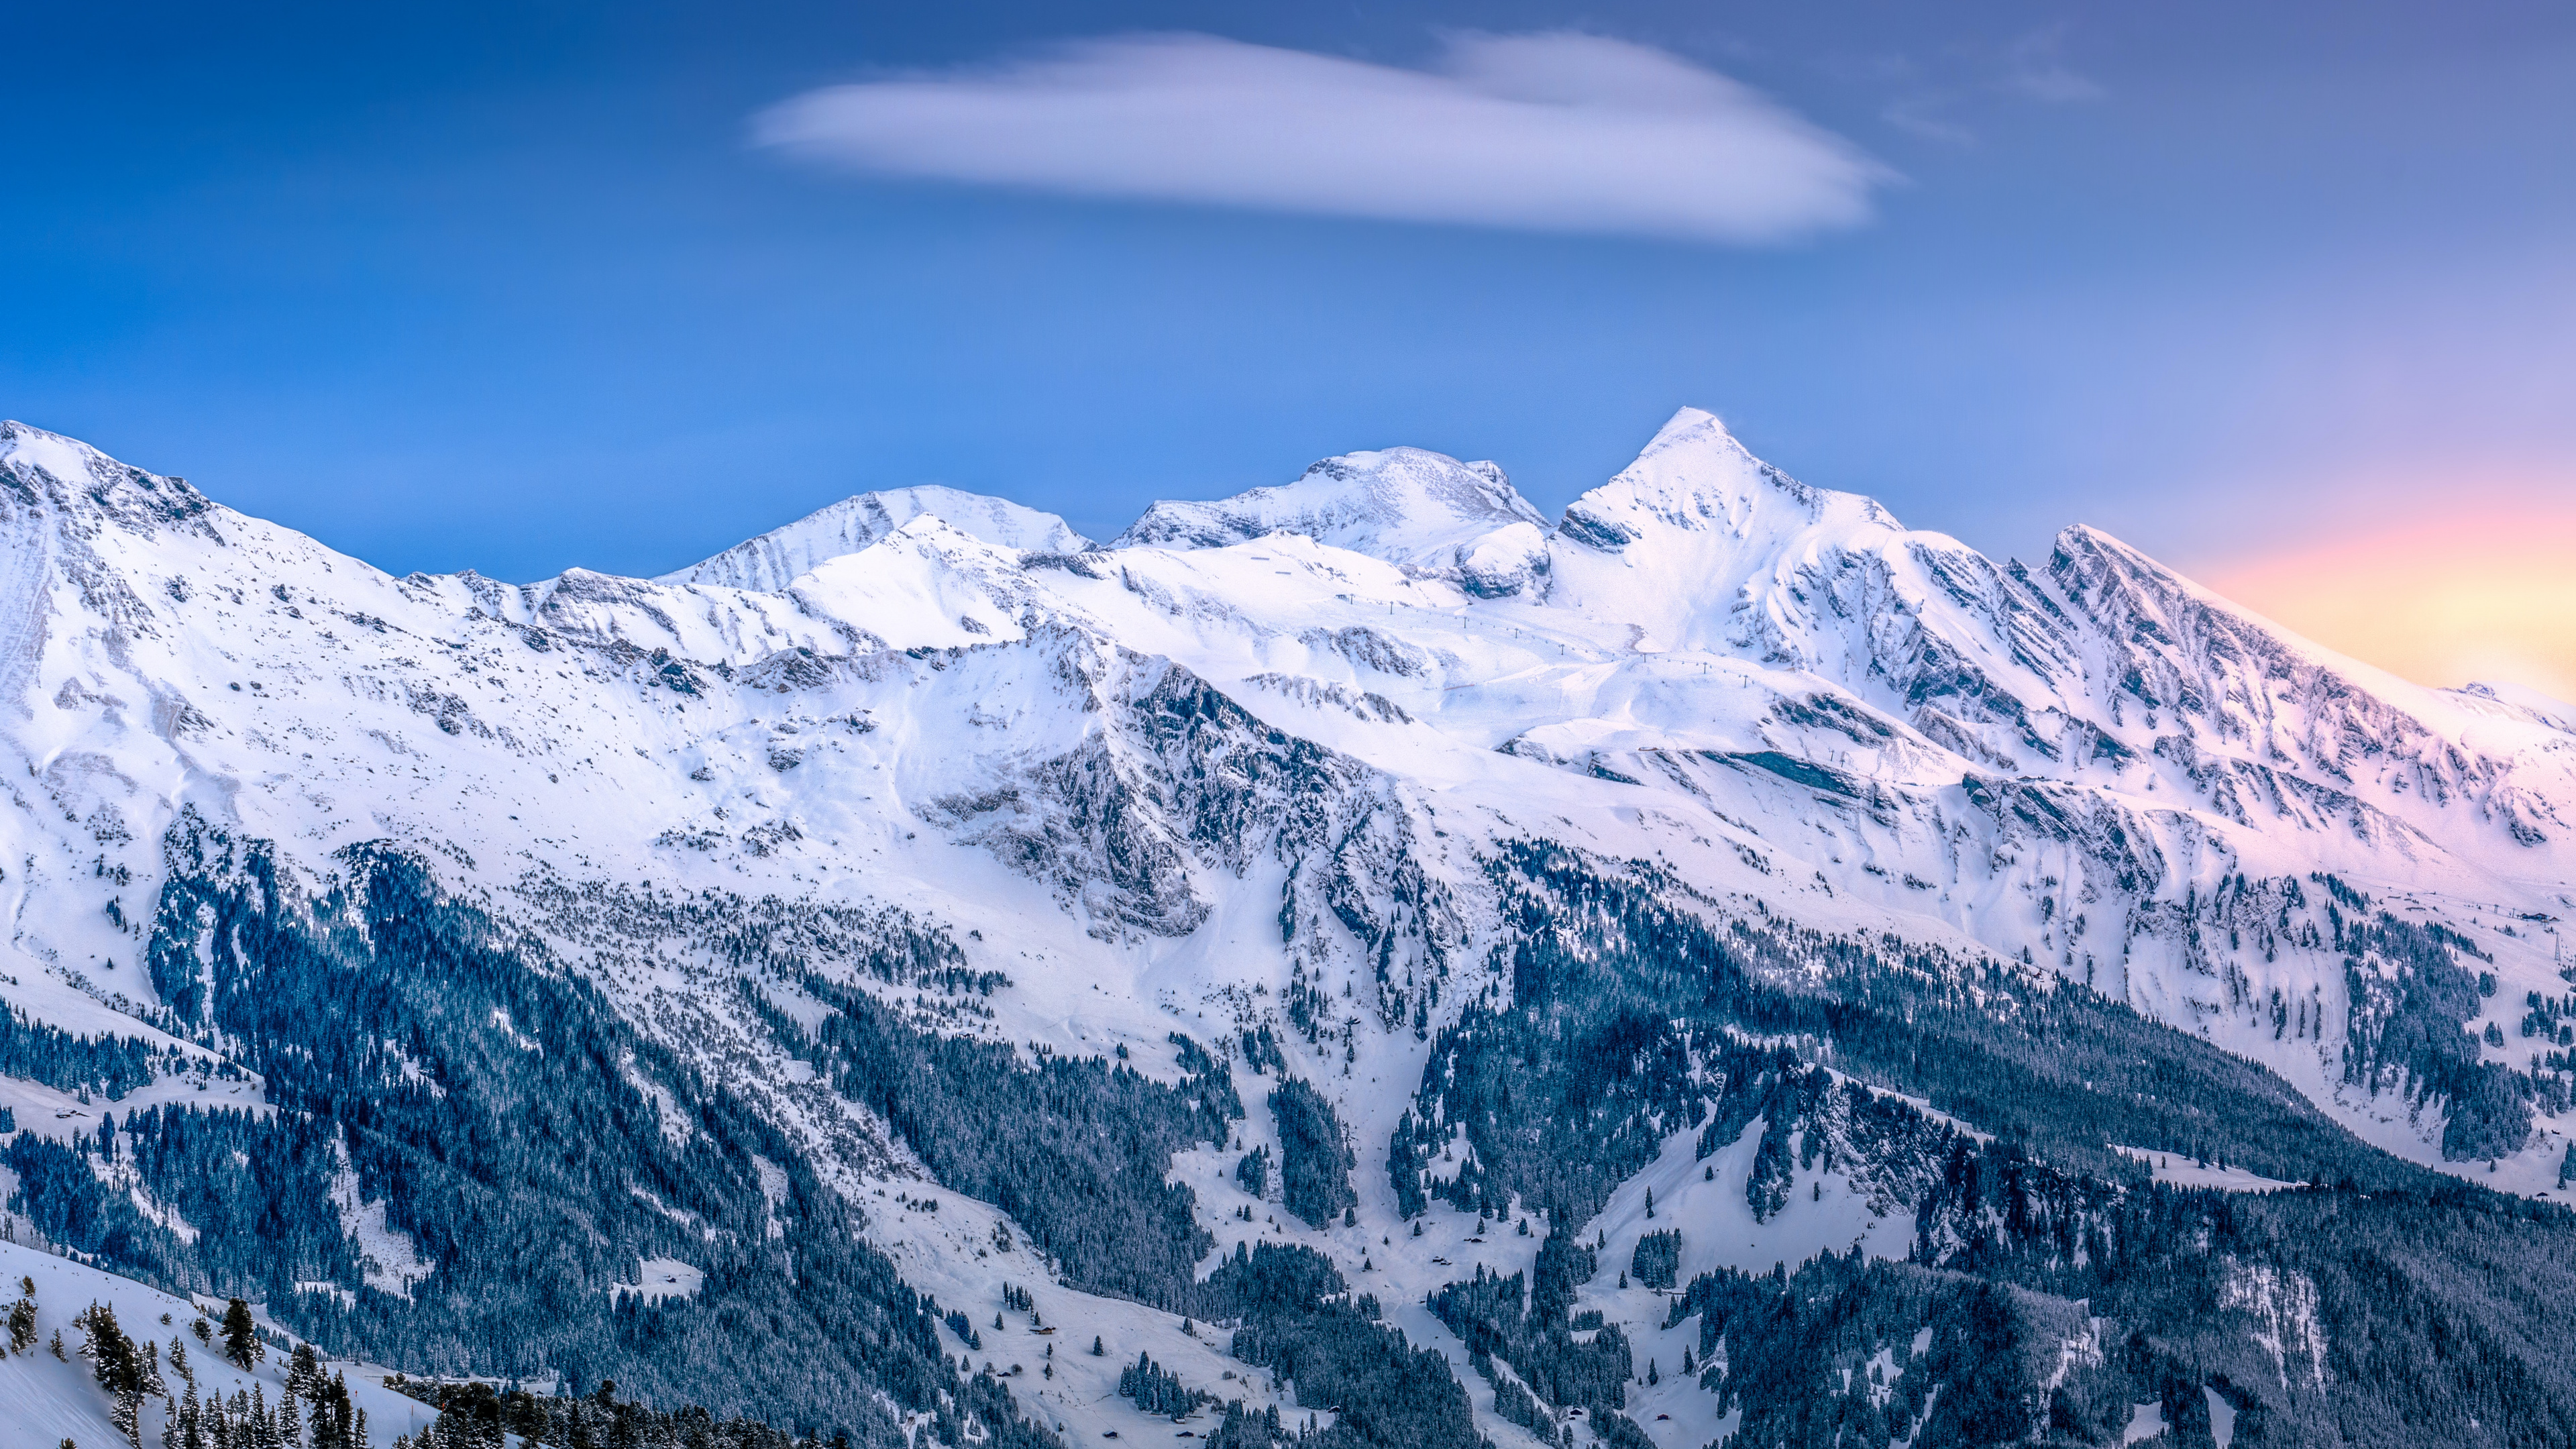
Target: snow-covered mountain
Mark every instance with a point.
(831, 879)
(1431, 515)
(781, 556)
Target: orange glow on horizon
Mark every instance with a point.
(2486, 596)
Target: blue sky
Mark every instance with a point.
(520, 286)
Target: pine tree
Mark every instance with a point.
(189, 1423)
(119, 1368)
(22, 1317)
(241, 1336)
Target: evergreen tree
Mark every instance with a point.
(120, 1368)
(1315, 1158)
(186, 1428)
(1157, 1390)
(1657, 1260)
(241, 1336)
(22, 1317)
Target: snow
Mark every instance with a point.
(60, 1115)
(2146, 1421)
(878, 697)
(955, 1254)
(2181, 1171)
(2222, 1418)
(2523, 697)
(388, 1259)
(348, 1298)
(660, 1278)
(60, 456)
(45, 1401)
(1706, 1202)
(1825, 1214)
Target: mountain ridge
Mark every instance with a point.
(1012, 809)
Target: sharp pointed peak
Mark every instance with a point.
(1695, 474)
(1692, 424)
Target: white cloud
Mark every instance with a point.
(1550, 132)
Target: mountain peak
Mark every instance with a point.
(1690, 425)
(771, 561)
(1423, 511)
(1696, 476)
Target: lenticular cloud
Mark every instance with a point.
(1551, 132)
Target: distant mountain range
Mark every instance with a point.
(1757, 972)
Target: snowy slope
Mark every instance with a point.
(46, 1401)
(1262, 751)
(2549, 709)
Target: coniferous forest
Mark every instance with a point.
(1626, 1022)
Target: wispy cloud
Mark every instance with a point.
(2034, 68)
(1927, 97)
(1550, 132)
